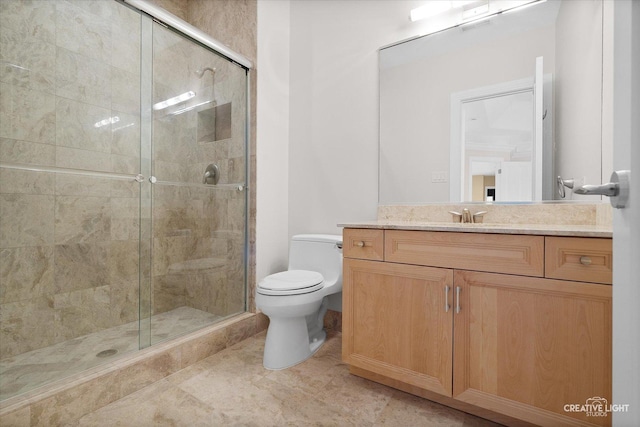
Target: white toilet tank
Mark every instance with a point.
(317, 252)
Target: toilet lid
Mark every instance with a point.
(291, 282)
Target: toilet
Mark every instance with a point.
(296, 300)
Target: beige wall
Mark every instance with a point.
(478, 185)
(578, 117)
(272, 204)
(177, 7)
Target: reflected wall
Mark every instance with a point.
(418, 77)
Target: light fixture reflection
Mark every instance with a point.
(524, 6)
(175, 100)
(186, 109)
(433, 8)
(110, 120)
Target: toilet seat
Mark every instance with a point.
(291, 282)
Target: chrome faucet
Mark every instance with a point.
(467, 217)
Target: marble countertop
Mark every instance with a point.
(532, 229)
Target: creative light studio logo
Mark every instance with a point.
(596, 407)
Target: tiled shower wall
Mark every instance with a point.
(234, 23)
(51, 223)
(67, 66)
(198, 232)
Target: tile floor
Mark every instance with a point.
(232, 388)
(32, 369)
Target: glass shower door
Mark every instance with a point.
(111, 238)
(69, 188)
(198, 199)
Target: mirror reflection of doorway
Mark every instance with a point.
(489, 194)
(483, 172)
(502, 124)
(498, 135)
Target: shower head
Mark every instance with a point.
(201, 72)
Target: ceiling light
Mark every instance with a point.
(461, 3)
(474, 10)
(430, 9)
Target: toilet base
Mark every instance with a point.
(288, 343)
(317, 342)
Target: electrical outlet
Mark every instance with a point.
(439, 177)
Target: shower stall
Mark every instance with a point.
(123, 186)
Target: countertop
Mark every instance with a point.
(531, 229)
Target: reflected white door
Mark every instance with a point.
(513, 118)
(626, 222)
(514, 182)
(538, 111)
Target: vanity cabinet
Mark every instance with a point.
(525, 346)
(514, 324)
(398, 325)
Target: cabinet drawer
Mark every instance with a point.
(496, 253)
(363, 243)
(579, 258)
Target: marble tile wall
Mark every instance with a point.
(45, 244)
(83, 69)
(68, 243)
(177, 7)
(198, 232)
(234, 23)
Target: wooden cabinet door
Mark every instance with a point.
(398, 323)
(526, 347)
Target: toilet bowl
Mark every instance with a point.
(297, 300)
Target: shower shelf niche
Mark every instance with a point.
(214, 124)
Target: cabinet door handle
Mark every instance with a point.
(446, 299)
(359, 244)
(585, 260)
(457, 299)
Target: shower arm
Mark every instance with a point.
(201, 72)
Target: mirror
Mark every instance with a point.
(494, 110)
(496, 144)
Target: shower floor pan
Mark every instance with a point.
(27, 371)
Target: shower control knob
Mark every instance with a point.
(211, 175)
(153, 179)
